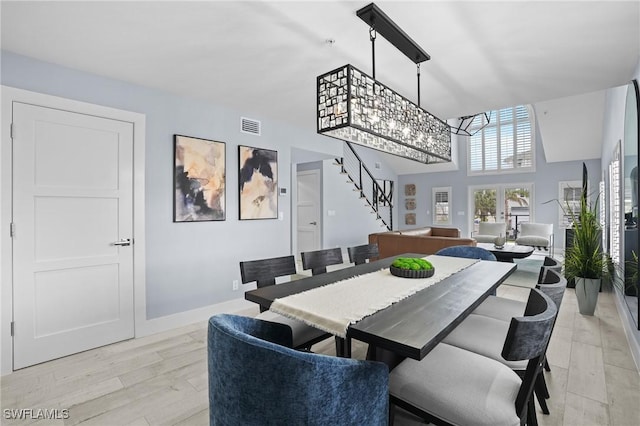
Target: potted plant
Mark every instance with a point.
(584, 260)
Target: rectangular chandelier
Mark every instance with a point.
(356, 108)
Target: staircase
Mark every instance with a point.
(376, 193)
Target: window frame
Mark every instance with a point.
(434, 202)
(494, 124)
(563, 214)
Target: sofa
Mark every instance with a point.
(421, 240)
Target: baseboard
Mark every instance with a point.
(630, 330)
(182, 319)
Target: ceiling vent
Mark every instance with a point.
(251, 126)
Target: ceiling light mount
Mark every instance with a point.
(383, 25)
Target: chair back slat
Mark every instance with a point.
(359, 254)
(527, 339)
(318, 260)
(265, 271)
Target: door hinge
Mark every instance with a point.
(11, 130)
(12, 328)
(12, 229)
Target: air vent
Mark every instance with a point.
(248, 125)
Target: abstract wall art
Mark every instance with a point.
(199, 179)
(258, 181)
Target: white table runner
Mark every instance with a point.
(333, 307)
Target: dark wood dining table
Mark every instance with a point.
(415, 325)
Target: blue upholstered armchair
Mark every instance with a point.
(256, 379)
(466, 251)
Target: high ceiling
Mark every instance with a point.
(262, 58)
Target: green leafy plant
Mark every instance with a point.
(585, 258)
(412, 263)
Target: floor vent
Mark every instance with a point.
(248, 125)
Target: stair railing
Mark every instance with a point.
(378, 197)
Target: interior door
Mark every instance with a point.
(308, 207)
(73, 220)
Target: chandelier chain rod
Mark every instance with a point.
(418, 75)
(372, 37)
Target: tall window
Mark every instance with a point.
(506, 144)
(442, 206)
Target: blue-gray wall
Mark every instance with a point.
(545, 181)
(191, 265)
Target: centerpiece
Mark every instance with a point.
(412, 267)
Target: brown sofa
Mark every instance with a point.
(421, 240)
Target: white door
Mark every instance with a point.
(308, 207)
(510, 203)
(72, 209)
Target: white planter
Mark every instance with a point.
(587, 290)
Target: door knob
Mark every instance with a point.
(122, 242)
(313, 223)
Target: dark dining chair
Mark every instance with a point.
(468, 252)
(549, 263)
(318, 260)
(360, 254)
(484, 334)
(452, 385)
(256, 379)
(264, 272)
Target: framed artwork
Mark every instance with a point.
(258, 180)
(410, 189)
(200, 179)
(410, 218)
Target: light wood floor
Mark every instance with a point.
(162, 379)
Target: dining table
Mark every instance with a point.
(407, 328)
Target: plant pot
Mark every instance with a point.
(587, 290)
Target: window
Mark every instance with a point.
(614, 206)
(442, 206)
(505, 145)
(569, 196)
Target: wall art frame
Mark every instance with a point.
(257, 183)
(199, 176)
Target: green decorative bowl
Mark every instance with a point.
(412, 273)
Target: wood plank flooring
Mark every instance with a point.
(162, 379)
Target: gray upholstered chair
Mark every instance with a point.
(539, 235)
(455, 386)
(488, 231)
(318, 260)
(467, 251)
(256, 379)
(360, 254)
(264, 272)
(484, 334)
(503, 308)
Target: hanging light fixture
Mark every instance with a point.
(355, 107)
(465, 123)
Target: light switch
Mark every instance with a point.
(460, 213)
